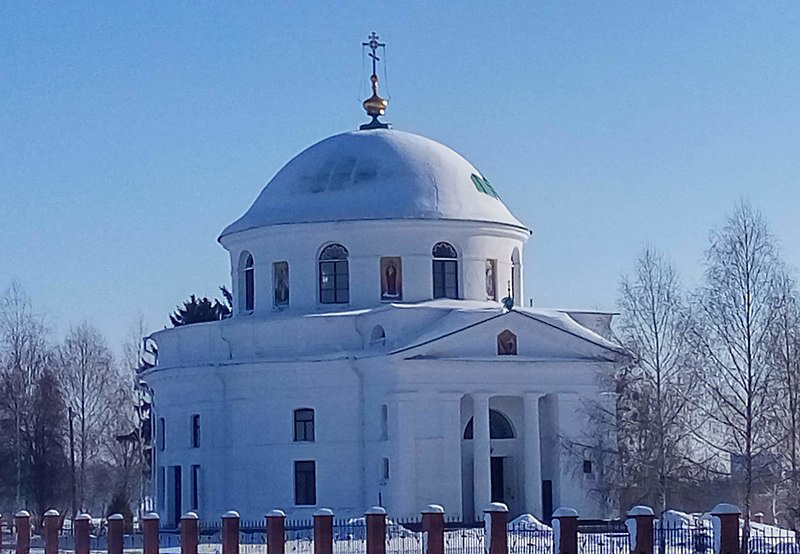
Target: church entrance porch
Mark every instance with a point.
(491, 454)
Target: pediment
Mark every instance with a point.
(513, 336)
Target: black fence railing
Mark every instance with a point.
(527, 539)
(690, 536)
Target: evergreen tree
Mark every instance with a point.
(47, 461)
(201, 310)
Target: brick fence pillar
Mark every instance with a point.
(81, 525)
(230, 532)
(495, 521)
(640, 529)
(433, 529)
(189, 537)
(115, 533)
(565, 531)
(725, 519)
(376, 530)
(52, 526)
(22, 524)
(150, 525)
(276, 532)
(323, 531)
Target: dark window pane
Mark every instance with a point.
(305, 483)
(304, 425)
(249, 289)
(334, 282)
(195, 487)
(196, 431)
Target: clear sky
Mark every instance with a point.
(131, 133)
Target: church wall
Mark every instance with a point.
(574, 483)
(367, 242)
(247, 449)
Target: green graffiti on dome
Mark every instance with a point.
(482, 184)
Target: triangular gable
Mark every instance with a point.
(538, 337)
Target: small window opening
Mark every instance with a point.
(304, 425)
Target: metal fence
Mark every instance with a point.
(693, 535)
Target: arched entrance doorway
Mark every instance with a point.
(504, 466)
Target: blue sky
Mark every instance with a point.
(132, 133)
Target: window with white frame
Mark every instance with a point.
(445, 271)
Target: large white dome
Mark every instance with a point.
(375, 174)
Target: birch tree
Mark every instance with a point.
(738, 309)
(90, 384)
(654, 326)
(786, 358)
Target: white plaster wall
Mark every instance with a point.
(266, 366)
(367, 242)
(247, 449)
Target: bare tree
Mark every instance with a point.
(786, 357)
(24, 354)
(738, 310)
(131, 451)
(90, 383)
(655, 429)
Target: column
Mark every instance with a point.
(532, 457)
(402, 463)
(481, 453)
(451, 455)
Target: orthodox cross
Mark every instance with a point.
(373, 45)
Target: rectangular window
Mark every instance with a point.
(196, 431)
(445, 279)
(161, 434)
(587, 466)
(385, 469)
(249, 289)
(384, 422)
(280, 284)
(304, 425)
(305, 483)
(161, 486)
(195, 487)
(334, 282)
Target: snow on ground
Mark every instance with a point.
(528, 522)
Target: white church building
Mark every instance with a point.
(372, 358)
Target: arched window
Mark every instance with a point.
(304, 425)
(378, 335)
(445, 271)
(247, 282)
(499, 427)
(334, 276)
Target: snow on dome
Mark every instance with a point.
(375, 174)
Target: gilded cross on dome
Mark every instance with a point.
(375, 105)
